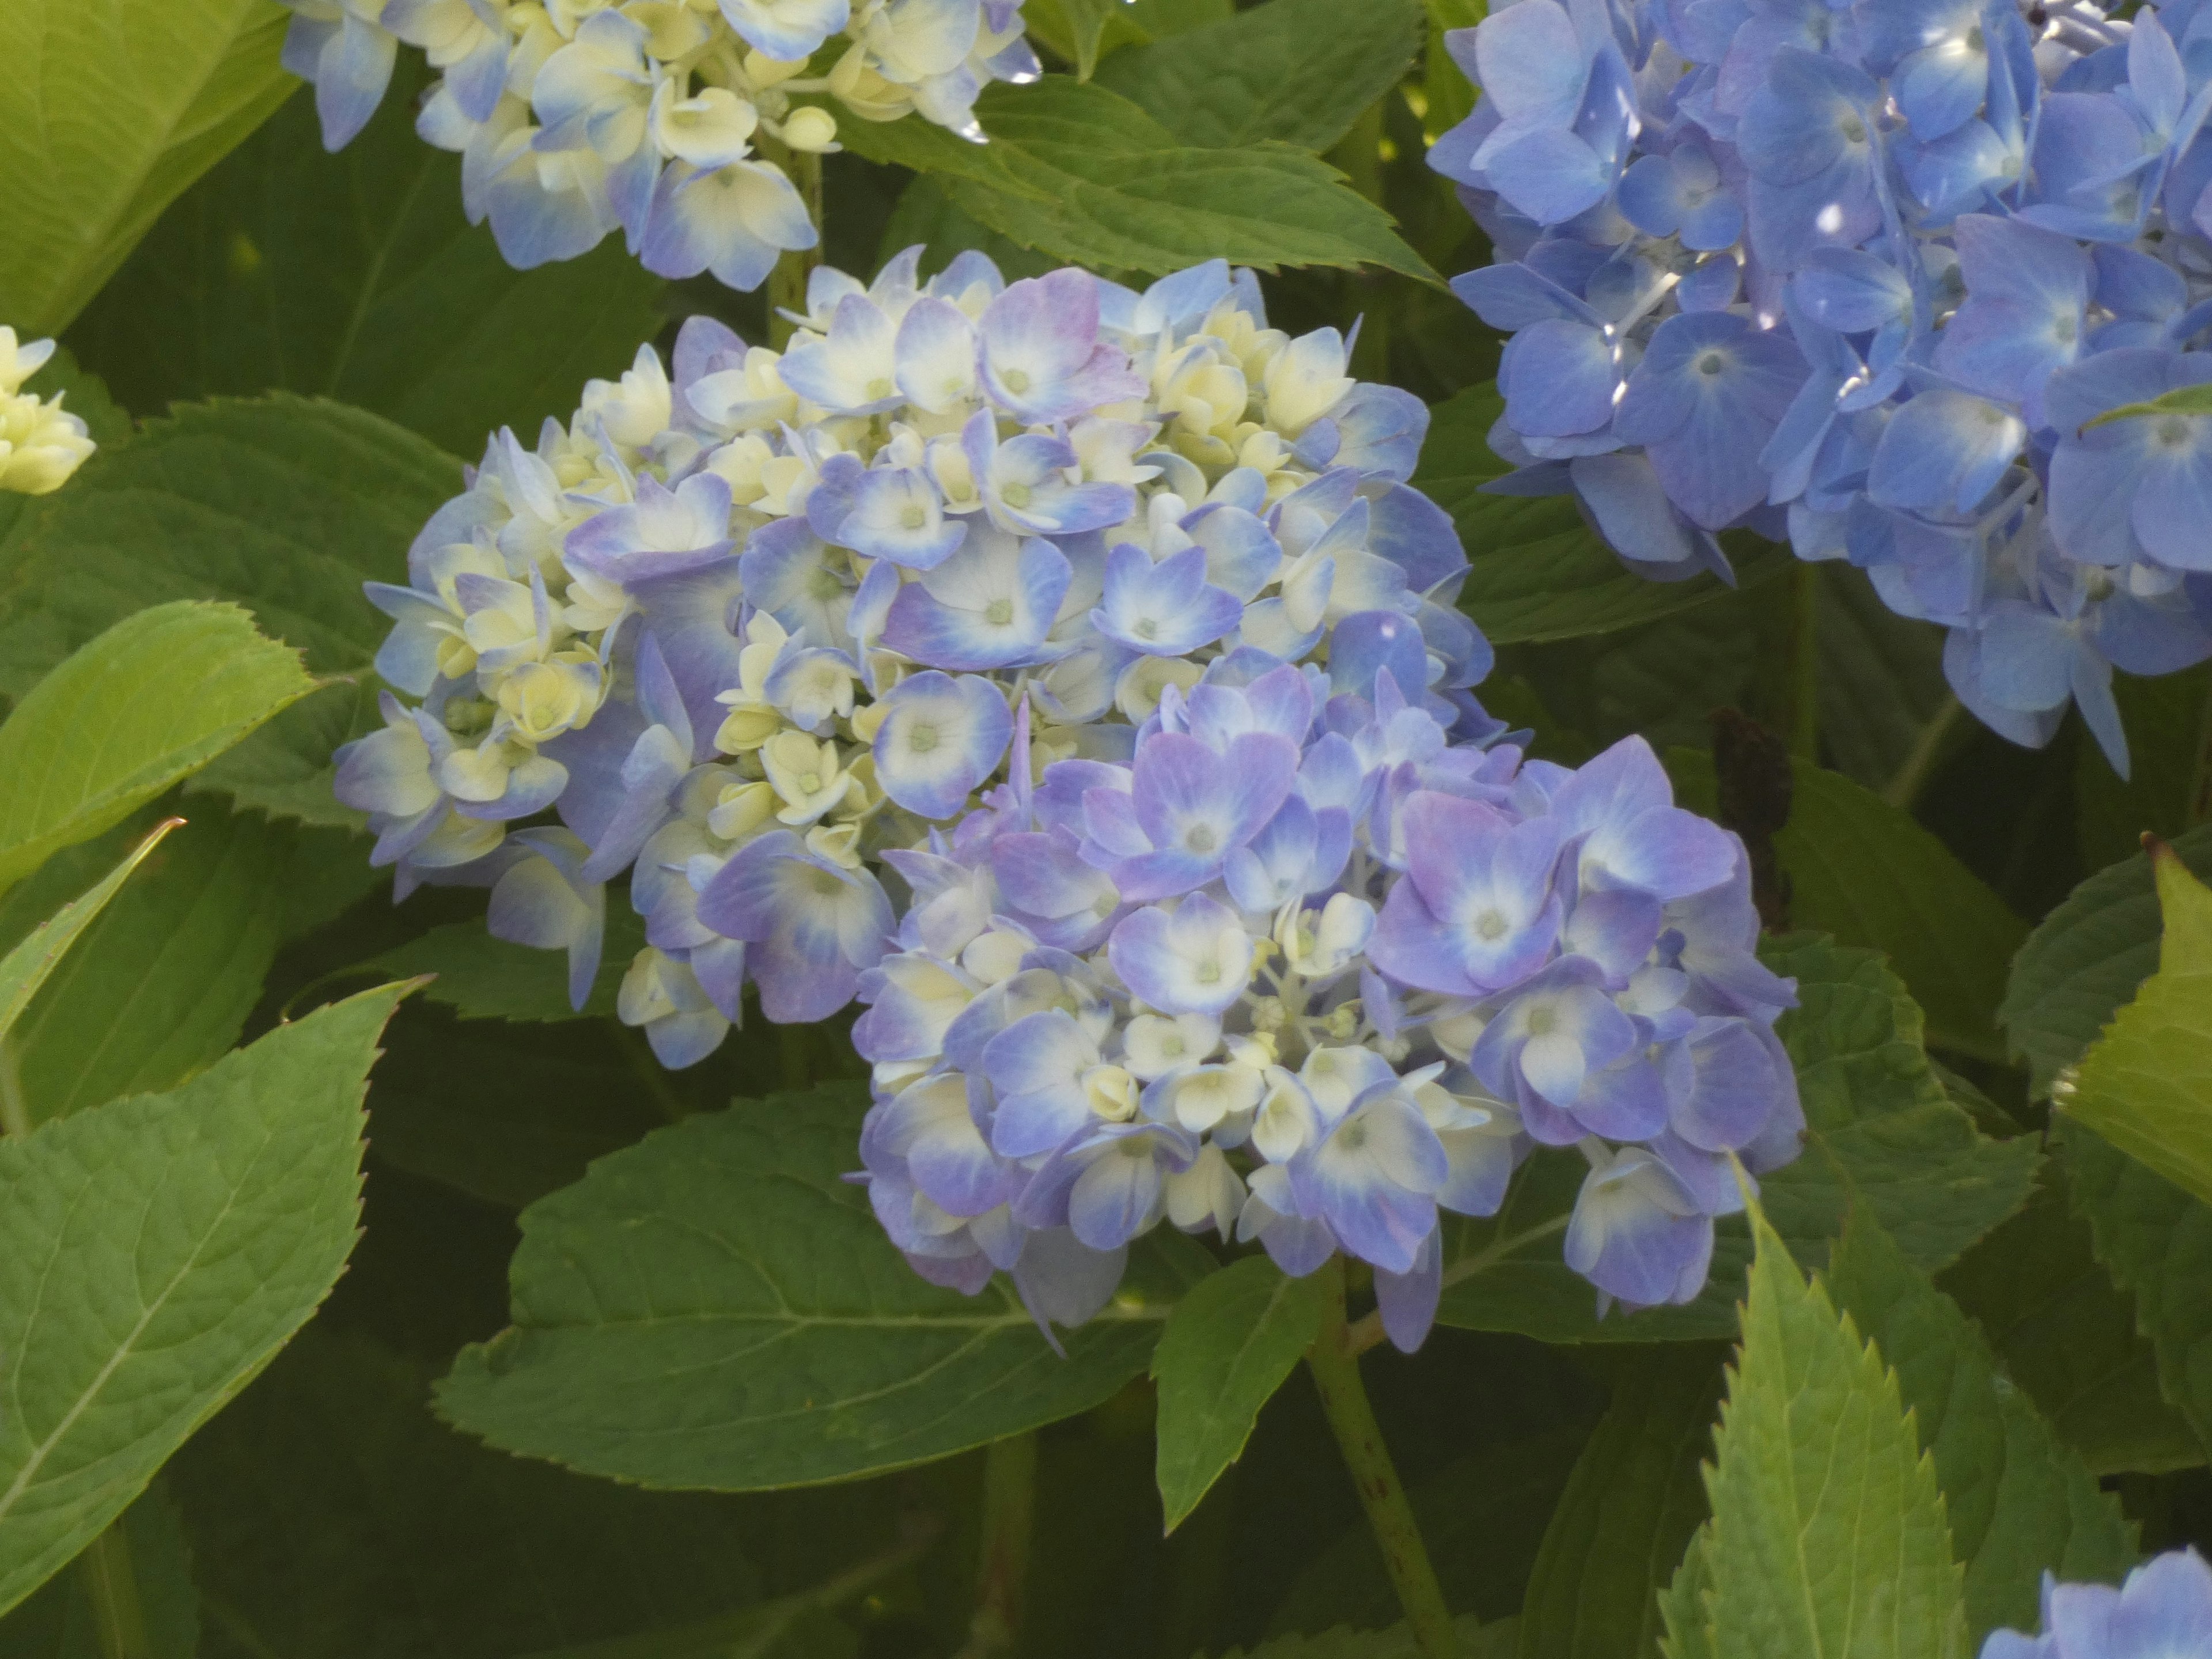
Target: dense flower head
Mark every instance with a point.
(1299, 967)
(752, 620)
(2164, 1611)
(1875, 277)
(41, 444)
(576, 118)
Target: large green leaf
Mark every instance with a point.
(333, 1517)
(1538, 571)
(1880, 1126)
(2146, 1086)
(2020, 1503)
(1298, 71)
(163, 982)
(153, 1254)
(357, 275)
(2086, 958)
(31, 961)
(2066, 1334)
(109, 109)
(2156, 1242)
(156, 696)
(160, 1606)
(1865, 873)
(1635, 1498)
(1081, 173)
(280, 504)
(1227, 1347)
(1829, 1534)
(717, 1308)
(1084, 31)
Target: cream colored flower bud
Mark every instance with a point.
(811, 128)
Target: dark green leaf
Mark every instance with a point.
(1082, 173)
(1539, 572)
(1627, 1515)
(1298, 71)
(1881, 687)
(58, 1621)
(357, 276)
(31, 960)
(1227, 1347)
(155, 1252)
(1880, 1126)
(2019, 1503)
(2165, 718)
(1476, 1641)
(716, 1308)
(480, 977)
(2087, 959)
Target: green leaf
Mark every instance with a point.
(112, 108)
(1227, 1347)
(1881, 690)
(1633, 1502)
(153, 1254)
(2146, 1086)
(1685, 1605)
(32, 961)
(1880, 1126)
(2182, 400)
(1864, 872)
(2156, 1242)
(1298, 71)
(716, 1308)
(1476, 1641)
(1538, 572)
(59, 1622)
(358, 276)
(2019, 1502)
(154, 698)
(2086, 959)
(2066, 1334)
(1074, 27)
(372, 1529)
(280, 504)
(1080, 172)
(480, 977)
(1829, 1532)
(163, 982)
(2164, 716)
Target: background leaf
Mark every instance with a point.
(2018, 1502)
(1828, 1530)
(154, 1253)
(357, 276)
(480, 977)
(154, 698)
(2086, 958)
(2146, 1085)
(1880, 1128)
(1298, 71)
(1227, 1346)
(58, 1622)
(1538, 571)
(1635, 1498)
(112, 107)
(1081, 173)
(716, 1308)
(31, 961)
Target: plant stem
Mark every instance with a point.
(1335, 1371)
(786, 284)
(119, 1622)
(1920, 765)
(1002, 1568)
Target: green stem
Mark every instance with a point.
(119, 1622)
(1335, 1371)
(786, 284)
(14, 1110)
(1804, 665)
(1920, 765)
(1003, 1566)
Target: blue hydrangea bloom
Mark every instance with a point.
(1863, 275)
(2164, 1611)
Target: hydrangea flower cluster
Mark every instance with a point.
(2164, 1611)
(578, 116)
(1867, 275)
(41, 443)
(1302, 970)
(748, 627)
